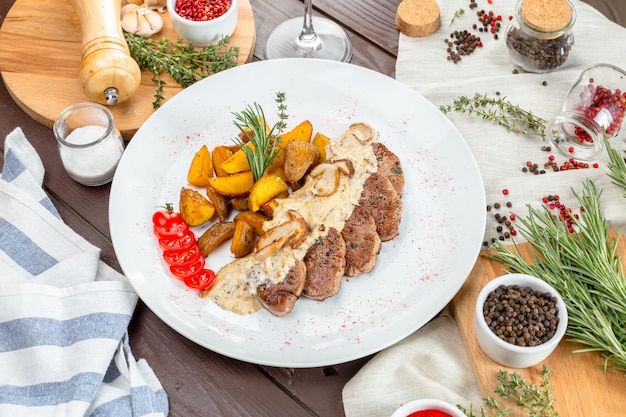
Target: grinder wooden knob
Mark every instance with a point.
(108, 74)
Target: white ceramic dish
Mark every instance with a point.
(208, 32)
(427, 404)
(417, 273)
(506, 353)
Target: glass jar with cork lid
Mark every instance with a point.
(540, 36)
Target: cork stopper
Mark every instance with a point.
(546, 15)
(418, 18)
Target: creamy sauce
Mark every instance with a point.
(235, 284)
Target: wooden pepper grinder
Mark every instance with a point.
(108, 74)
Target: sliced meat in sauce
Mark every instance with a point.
(389, 165)
(280, 298)
(381, 200)
(325, 265)
(362, 242)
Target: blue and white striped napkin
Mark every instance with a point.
(64, 314)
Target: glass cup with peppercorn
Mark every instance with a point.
(595, 104)
(540, 36)
(519, 319)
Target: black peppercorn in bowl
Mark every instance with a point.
(519, 320)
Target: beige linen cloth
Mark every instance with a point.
(432, 363)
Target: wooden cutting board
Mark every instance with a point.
(40, 55)
(579, 385)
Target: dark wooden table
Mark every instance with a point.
(198, 381)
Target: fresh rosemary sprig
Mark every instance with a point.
(584, 268)
(500, 111)
(253, 125)
(537, 401)
(616, 165)
(183, 61)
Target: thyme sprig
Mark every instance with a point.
(584, 268)
(500, 111)
(537, 401)
(186, 63)
(253, 125)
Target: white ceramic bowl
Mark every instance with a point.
(509, 354)
(427, 404)
(207, 32)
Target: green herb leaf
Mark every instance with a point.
(183, 61)
(253, 125)
(499, 111)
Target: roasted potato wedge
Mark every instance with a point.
(299, 158)
(219, 155)
(320, 141)
(264, 189)
(194, 208)
(243, 239)
(239, 202)
(201, 168)
(222, 208)
(238, 162)
(232, 185)
(254, 219)
(214, 236)
(300, 133)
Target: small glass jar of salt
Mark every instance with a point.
(90, 146)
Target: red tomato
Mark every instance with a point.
(171, 231)
(167, 217)
(180, 242)
(200, 281)
(184, 271)
(182, 257)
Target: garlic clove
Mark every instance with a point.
(141, 21)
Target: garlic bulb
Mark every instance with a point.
(140, 21)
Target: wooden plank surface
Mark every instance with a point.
(581, 388)
(40, 55)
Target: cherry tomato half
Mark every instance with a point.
(200, 281)
(182, 257)
(180, 242)
(187, 270)
(171, 231)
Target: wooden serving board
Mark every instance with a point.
(40, 55)
(579, 384)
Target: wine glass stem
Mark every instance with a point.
(308, 35)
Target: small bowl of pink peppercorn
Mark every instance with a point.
(203, 22)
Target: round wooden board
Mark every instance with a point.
(40, 55)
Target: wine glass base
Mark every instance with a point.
(332, 41)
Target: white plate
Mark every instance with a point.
(417, 273)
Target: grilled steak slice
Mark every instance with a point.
(381, 200)
(362, 242)
(389, 166)
(325, 266)
(279, 299)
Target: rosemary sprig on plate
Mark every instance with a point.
(500, 111)
(584, 268)
(183, 61)
(537, 401)
(253, 125)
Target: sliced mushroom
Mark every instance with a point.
(327, 176)
(293, 232)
